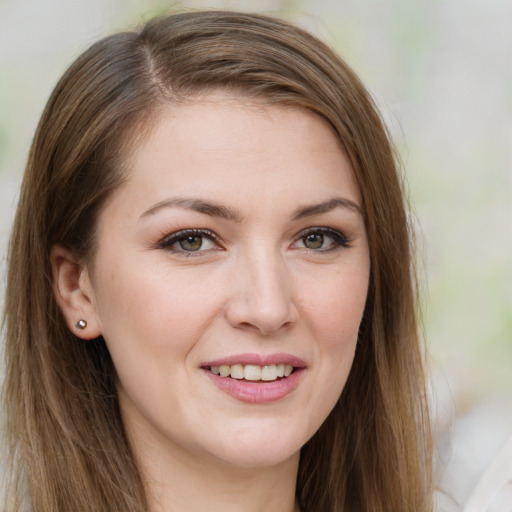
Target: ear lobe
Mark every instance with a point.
(74, 293)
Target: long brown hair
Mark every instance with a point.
(67, 446)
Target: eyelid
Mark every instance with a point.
(341, 241)
(167, 241)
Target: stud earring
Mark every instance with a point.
(81, 324)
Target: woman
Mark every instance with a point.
(210, 297)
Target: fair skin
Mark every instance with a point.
(237, 243)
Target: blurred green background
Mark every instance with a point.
(441, 72)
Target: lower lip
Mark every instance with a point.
(257, 392)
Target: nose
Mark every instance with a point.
(261, 299)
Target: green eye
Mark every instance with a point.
(313, 241)
(321, 240)
(191, 243)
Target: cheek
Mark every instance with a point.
(333, 314)
(157, 308)
(151, 321)
(334, 308)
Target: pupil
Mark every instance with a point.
(314, 241)
(191, 243)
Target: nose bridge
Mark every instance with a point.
(263, 295)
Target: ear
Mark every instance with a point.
(74, 292)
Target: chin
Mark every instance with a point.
(258, 449)
(259, 458)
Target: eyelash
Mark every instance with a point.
(179, 236)
(340, 241)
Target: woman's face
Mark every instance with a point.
(235, 252)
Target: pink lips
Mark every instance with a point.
(257, 392)
(257, 359)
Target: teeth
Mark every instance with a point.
(237, 371)
(269, 372)
(253, 372)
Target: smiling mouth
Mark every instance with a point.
(253, 372)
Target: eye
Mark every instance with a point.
(190, 241)
(320, 240)
(314, 241)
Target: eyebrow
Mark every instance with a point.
(215, 210)
(327, 206)
(197, 205)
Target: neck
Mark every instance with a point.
(179, 482)
(196, 493)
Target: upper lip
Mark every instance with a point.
(257, 359)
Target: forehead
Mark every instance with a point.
(241, 150)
